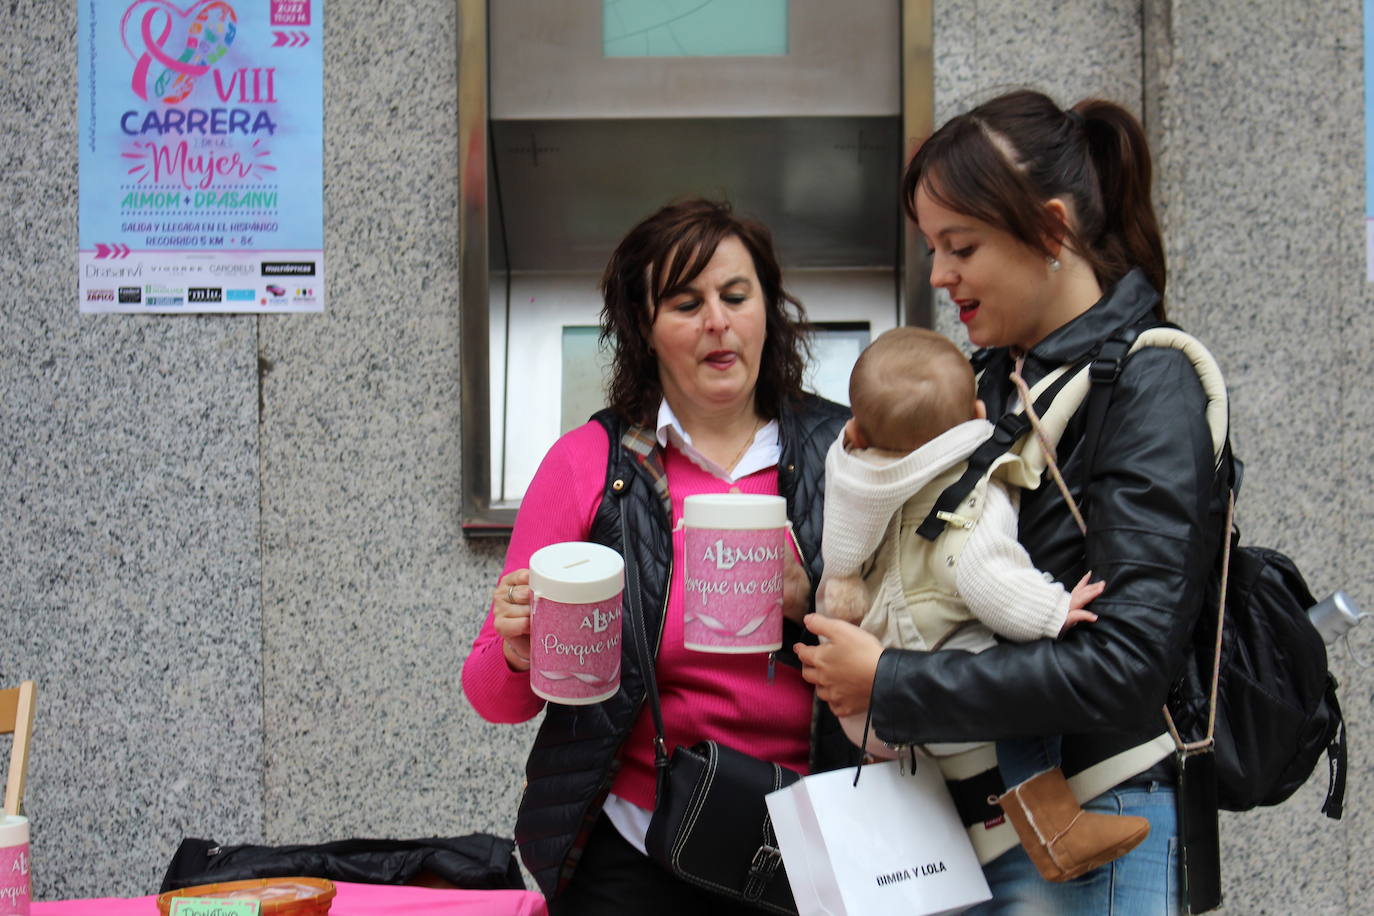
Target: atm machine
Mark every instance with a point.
(577, 118)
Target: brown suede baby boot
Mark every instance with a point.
(1062, 839)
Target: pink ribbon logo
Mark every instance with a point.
(207, 29)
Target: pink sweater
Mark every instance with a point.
(703, 695)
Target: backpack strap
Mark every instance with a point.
(1006, 432)
(1105, 369)
(1336, 759)
(1103, 372)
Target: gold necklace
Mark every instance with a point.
(748, 441)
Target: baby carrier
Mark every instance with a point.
(912, 576)
(1275, 703)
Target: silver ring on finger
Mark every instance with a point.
(510, 594)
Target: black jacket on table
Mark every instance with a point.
(1154, 510)
(575, 756)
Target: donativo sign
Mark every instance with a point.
(200, 134)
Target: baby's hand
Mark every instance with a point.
(1076, 617)
(1083, 593)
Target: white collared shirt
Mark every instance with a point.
(762, 453)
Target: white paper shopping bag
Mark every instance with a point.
(891, 844)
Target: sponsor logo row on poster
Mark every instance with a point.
(154, 295)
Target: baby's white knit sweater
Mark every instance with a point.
(994, 575)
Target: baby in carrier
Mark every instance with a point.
(916, 421)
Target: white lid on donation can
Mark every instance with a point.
(740, 511)
(576, 572)
(14, 830)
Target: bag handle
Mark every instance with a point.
(640, 638)
(1206, 742)
(1097, 409)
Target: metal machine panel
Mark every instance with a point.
(843, 58)
(566, 191)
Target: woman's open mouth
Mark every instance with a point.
(967, 308)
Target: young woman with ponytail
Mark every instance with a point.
(1044, 236)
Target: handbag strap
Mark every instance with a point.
(1206, 742)
(1098, 399)
(640, 637)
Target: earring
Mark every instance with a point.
(1053, 262)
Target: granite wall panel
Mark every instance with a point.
(129, 557)
(371, 595)
(1255, 111)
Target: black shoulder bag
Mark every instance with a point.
(710, 825)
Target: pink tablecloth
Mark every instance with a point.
(352, 900)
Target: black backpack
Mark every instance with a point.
(1277, 709)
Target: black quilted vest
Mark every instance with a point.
(576, 753)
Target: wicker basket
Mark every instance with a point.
(277, 896)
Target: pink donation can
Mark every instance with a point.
(575, 622)
(735, 546)
(14, 865)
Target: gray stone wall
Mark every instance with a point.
(130, 571)
(230, 552)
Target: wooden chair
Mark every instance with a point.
(16, 716)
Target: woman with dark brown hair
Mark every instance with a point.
(705, 397)
(1043, 234)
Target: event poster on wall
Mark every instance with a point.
(201, 138)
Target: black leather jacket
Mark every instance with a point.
(1155, 511)
(576, 753)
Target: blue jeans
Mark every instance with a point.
(1021, 758)
(1144, 882)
